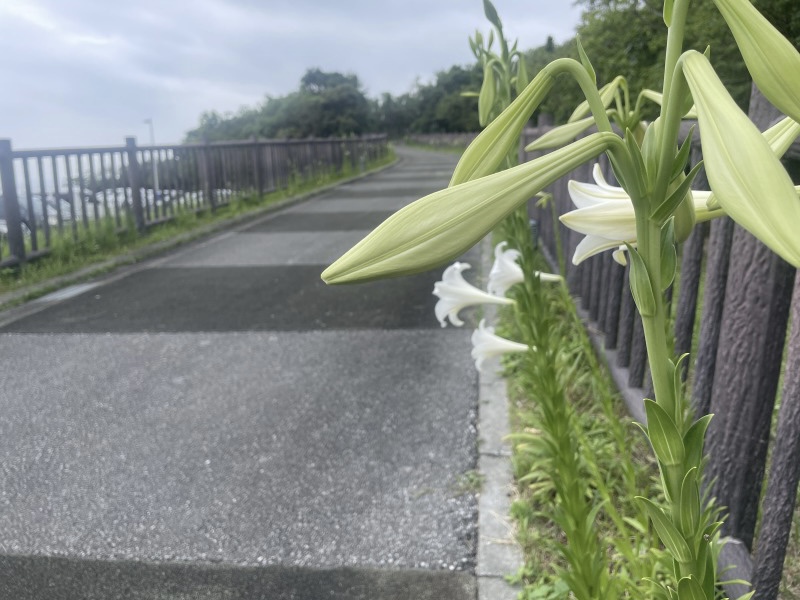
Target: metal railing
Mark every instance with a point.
(67, 191)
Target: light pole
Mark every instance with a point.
(152, 160)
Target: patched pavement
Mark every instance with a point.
(220, 424)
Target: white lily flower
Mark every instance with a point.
(505, 271)
(605, 215)
(485, 344)
(455, 293)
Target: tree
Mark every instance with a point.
(325, 105)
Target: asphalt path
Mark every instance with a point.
(218, 423)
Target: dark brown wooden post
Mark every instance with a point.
(638, 356)
(691, 266)
(205, 176)
(751, 341)
(134, 180)
(259, 180)
(717, 260)
(784, 475)
(627, 317)
(586, 283)
(16, 241)
(596, 291)
(617, 289)
(602, 306)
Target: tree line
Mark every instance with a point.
(622, 37)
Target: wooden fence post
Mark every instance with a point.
(16, 241)
(691, 267)
(717, 260)
(751, 341)
(259, 181)
(205, 176)
(135, 181)
(784, 474)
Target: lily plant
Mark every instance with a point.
(747, 181)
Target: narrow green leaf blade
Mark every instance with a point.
(688, 589)
(641, 286)
(667, 532)
(666, 208)
(664, 435)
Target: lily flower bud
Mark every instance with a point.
(771, 59)
(440, 227)
(746, 177)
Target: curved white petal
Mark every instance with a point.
(485, 344)
(505, 271)
(584, 195)
(591, 245)
(613, 220)
(600, 179)
(548, 277)
(455, 293)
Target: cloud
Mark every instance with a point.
(90, 71)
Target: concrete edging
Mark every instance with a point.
(499, 555)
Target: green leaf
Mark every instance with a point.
(664, 435)
(635, 153)
(690, 503)
(641, 287)
(522, 73)
(667, 533)
(651, 151)
(587, 64)
(677, 377)
(688, 589)
(693, 441)
(607, 93)
(558, 136)
(682, 158)
(670, 205)
(669, 255)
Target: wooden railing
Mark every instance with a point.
(57, 192)
(718, 310)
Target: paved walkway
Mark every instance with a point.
(220, 424)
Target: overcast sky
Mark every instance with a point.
(88, 72)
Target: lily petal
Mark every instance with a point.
(606, 217)
(455, 293)
(485, 344)
(505, 271)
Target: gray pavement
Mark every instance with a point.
(219, 424)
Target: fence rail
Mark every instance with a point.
(64, 191)
(749, 315)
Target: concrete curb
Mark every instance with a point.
(499, 555)
(33, 291)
